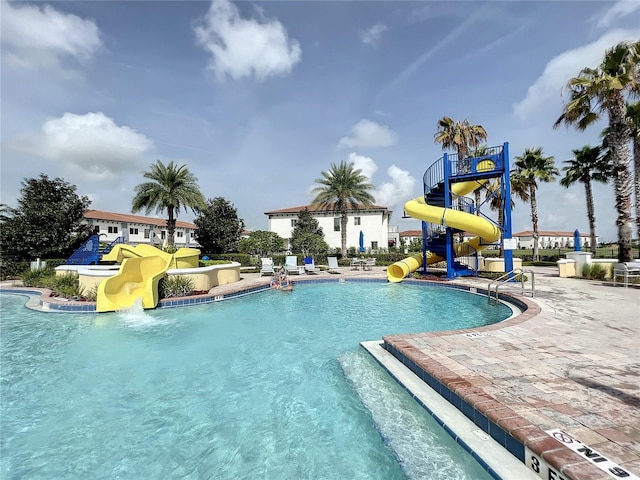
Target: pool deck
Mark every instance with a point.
(570, 362)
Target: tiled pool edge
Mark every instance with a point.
(513, 432)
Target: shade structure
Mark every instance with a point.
(361, 241)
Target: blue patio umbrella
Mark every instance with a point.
(361, 241)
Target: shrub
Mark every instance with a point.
(598, 272)
(176, 286)
(586, 270)
(12, 268)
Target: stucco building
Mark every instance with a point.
(137, 229)
(373, 222)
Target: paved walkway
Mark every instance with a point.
(571, 362)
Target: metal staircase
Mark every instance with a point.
(90, 252)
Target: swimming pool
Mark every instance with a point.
(253, 387)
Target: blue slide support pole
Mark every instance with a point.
(424, 247)
(447, 204)
(506, 207)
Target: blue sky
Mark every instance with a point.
(258, 98)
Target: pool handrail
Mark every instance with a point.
(509, 277)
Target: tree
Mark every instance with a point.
(306, 226)
(494, 193)
(603, 89)
(47, 223)
(219, 228)
(530, 168)
(309, 244)
(633, 117)
(171, 188)
(587, 165)
(262, 243)
(460, 136)
(343, 188)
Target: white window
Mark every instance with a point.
(163, 234)
(336, 224)
(146, 233)
(112, 229)
(293, 222)
(356, 220)
(133, 231)
(179, 234)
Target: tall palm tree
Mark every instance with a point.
(343, 188)
(477, 193)
(461, 137)
(603, 89)
(494, 191)
(633, 117)
(587, 165)
(170, 188)
(529, 168)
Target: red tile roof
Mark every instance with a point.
(411, 233)
(125, 217)
(313, 208)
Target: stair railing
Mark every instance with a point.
(514, 277)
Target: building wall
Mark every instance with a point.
(545, 240)
(374, 226)
(136, 233)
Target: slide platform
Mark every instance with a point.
(141, 269)
(486, 231)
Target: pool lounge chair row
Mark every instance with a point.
(291, 266)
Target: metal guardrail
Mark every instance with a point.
(510, 280)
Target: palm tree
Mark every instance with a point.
(171, 188)
(588, 164)
(343, 188)
(603, 89)
(528, 169)
(494, 191)
(460, 136)
(478, 152)
(633, 117)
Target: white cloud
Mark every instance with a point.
(91, 143)
(372, 35)
(395, 193)
(391, 194)
(242, 47)
(547, 88)
(38, 37)
(366, 164)
(619, 10)
(367, 134)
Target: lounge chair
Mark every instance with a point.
(369, 263)
(310, 266)
(291, 265)
(333, 265)
(356, 263)
(266, 266)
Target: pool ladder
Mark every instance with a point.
(513, 281)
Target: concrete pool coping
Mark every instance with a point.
(568, 363)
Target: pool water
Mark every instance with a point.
(271, 385)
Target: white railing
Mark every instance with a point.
(514, 280)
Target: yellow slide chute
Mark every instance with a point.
(141, 269)
(486, 231)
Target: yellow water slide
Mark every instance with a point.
(486, 231)
(141, 269)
